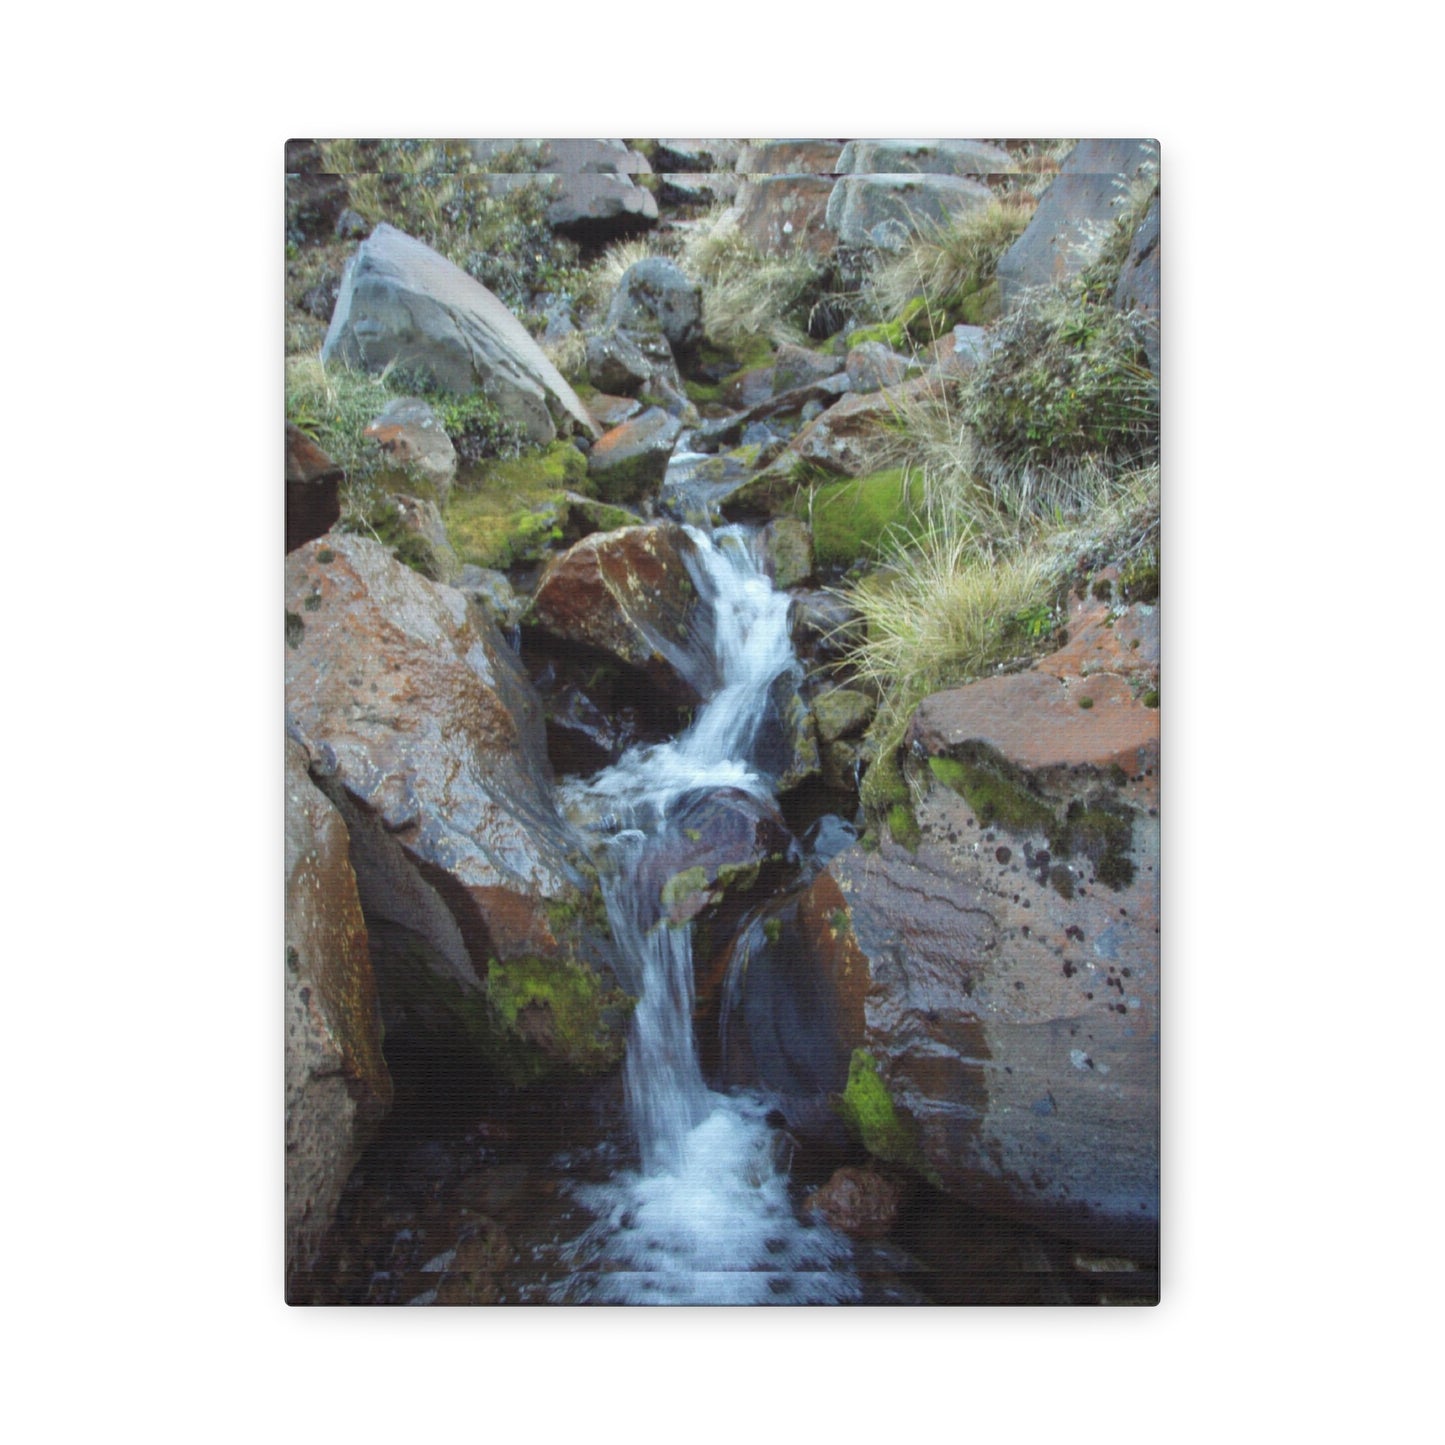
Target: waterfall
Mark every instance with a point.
(707, 1219)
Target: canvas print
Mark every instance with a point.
(722, 721)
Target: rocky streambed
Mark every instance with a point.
(601, 986)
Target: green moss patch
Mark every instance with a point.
(509, 511)
(561, 1008)
(849, 518)
(867, 1108)
(995, 798)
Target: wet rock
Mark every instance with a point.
(401, 303)
(925, 157)
(824, 626)
(860, 1202)
(631, 459)
(842, 712)
(472, 1273)
(337, 1082)
(881, 212)
(629, 595)
(412, 437)
(1075, 217)
(788, 548)
(313, 489)
(654, 293)
(420, 726)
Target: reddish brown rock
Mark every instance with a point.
(313, 489)
(628, 594)
(420, 726)
(790, 157)
(631, 459)
(611, 411)
(780, 214)
(838, 440)
(860, 1202)
(337, 1083)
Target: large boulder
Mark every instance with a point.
(1138, 288)
(631, 459)
(925, 157)
(1076, 216)
(630, 596)
(780, 214)
(881, 212)
(337, 1083)
(403, 304)
(983, 1002)
(654, 294)
(587, 183)
(420, 726)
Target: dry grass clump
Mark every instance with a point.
(744, 293)
(946, 262)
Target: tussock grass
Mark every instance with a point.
(946, 263)
(746, 294)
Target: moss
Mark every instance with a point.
(867, 1108)
(772, 929)
(295, 629)
(749, 355)
(1140, 581)
(903, 826)
(737, 877)
(1102, 834)
(682, 886)
(849, 518)
(560, 1007)
(1151, 698)
(891, 333)
(1086, 703)
(325, 556)
(704, 393)
(995, 798)
(980, 307)
(1103, 589)
(513, 510)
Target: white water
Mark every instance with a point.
(707, 1219)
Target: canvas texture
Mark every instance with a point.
(722, 709)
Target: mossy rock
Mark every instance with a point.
(868, 1110)
(511, 511)
(850, 518)
(560, 1008)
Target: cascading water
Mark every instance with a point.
(707, 1219)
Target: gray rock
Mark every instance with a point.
(408, 431)
(626, 363)
(781, 214)
(925, 157)
(697, 155)
(880, 212)
(790, 158)
(655, 294)
(632, 458)
(421, 517)
(1076, 215)
(493, 593)
(403, 303)
(795, 366)
(872, 366)
(587, 182)
(1138, 288)
(351, 226)
(788, 548)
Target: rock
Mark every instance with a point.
(780, 214)
(1075, 217)
(1138, 288)
(789, 157)
(420, 518)
(796, 366)
(313, 489)
(925, 157)
(351, 226)
(839, 440)
(880, 212)
(860, 1202)
(414, 441)
(402, 303)
(749, 388)
(727, 431)
(824, 626)
(587, 183)
(788, 547)
(420, 727)
(337, 1083)
(320, 300)
(315, 198)
(654, 293)
(842, 712)
(873, 366)
(630, 595)
(697, 155)
(631, 459)
(957, 353)
(611, 411)
(493, 593)
(629, 363)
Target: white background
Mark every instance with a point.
(142, 1208)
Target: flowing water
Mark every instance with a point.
(707, 1217)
